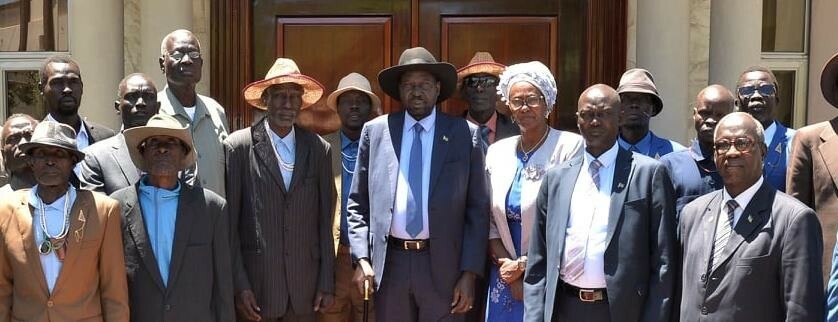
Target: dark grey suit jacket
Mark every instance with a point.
(282, 239)
(505, 127)
(107, 166)
(98, 132)
(200, 286)
(772, 263)
(640, 254)
(458, 200)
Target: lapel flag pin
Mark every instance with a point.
(445, 138)
(750, 218)
(779, 148)
(620, 185)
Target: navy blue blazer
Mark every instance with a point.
(775, 165)
(691, 178)
(458, 198)
(640, 254)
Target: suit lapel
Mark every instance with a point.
(139, 236)
(33, 257)
(187, 209)
(78, 223)
(302, 148)
(122, 158)
(440, 147)
(265, 152)
(566, 185)
(752, 218)
(708, 225)
(623, 169)
(828, 148)
(395, 124)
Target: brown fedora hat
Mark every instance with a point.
(481, 63)
(419, 58)
(55, 135)
(639, 80)
(354, 82)
(284, 70)
(829, 81)
(159, 124)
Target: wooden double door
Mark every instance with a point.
(582, 41)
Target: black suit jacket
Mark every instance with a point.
(200, 286)
(640, 255)
(282, 238)
(771, 269)
(98, 132)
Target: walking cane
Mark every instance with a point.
(366, 300)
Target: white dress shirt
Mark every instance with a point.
(54, 213)
(283, 148)
(743, 199)
(588, 223)
(399, 223)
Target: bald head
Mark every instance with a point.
(711, 104)
(598, 118)
(745, 121)
(599, 94)
(739, 151)
(137, 100)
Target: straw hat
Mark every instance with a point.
(354, 82)
(481, 63)
(829, 81)
(55, 135)
(283, 71)
(419, 58)
(638, 80)
(159, 124)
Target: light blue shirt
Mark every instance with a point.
(159, 209)
(644, 146)
(54, 214)
(768, 135)
(399, 223)
(284, 149)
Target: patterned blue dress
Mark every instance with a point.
(501, 306)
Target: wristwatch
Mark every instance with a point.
(522, 263)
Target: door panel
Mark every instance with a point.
(583, 42)
(510, 40)
(329, 48)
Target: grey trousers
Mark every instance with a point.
(407, 292)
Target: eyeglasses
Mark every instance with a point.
(530, 101)
(741, 144)
(764, 90)
(179, 55)
(482, 81)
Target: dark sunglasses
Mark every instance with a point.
(764, 90)
(741, 145)
(484, 81)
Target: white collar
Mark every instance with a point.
(289, 139)
(606, 159)
(427, 122)
(745, 197)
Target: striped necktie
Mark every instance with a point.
(724, 227)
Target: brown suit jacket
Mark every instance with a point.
(812, 178)
(91, 285)
(337, 173)
(282, 239)
(200, 285)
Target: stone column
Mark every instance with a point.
(96, 43)
(735, 39)
(662, 47)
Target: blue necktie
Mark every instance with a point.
(414, 179)
(484, 135)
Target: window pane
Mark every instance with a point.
(22, 94)
(785, 109)
(33, 25)
(783, 25)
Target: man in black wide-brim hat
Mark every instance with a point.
(418, 200)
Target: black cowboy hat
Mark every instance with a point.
(419, 58)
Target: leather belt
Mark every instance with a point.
(588, 295)
(413, 244)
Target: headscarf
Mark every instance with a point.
(533, 72)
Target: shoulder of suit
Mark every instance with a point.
(700, 204)
(784, 203)
(676, 157)
(123, 193)
(640, 160)
(103, 146)
(240, 137)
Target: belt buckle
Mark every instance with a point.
(588, 295)
(408, 243)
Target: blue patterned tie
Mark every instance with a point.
(414, 180)
(484, 136)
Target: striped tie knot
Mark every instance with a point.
(594, 170)
(731, 206)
